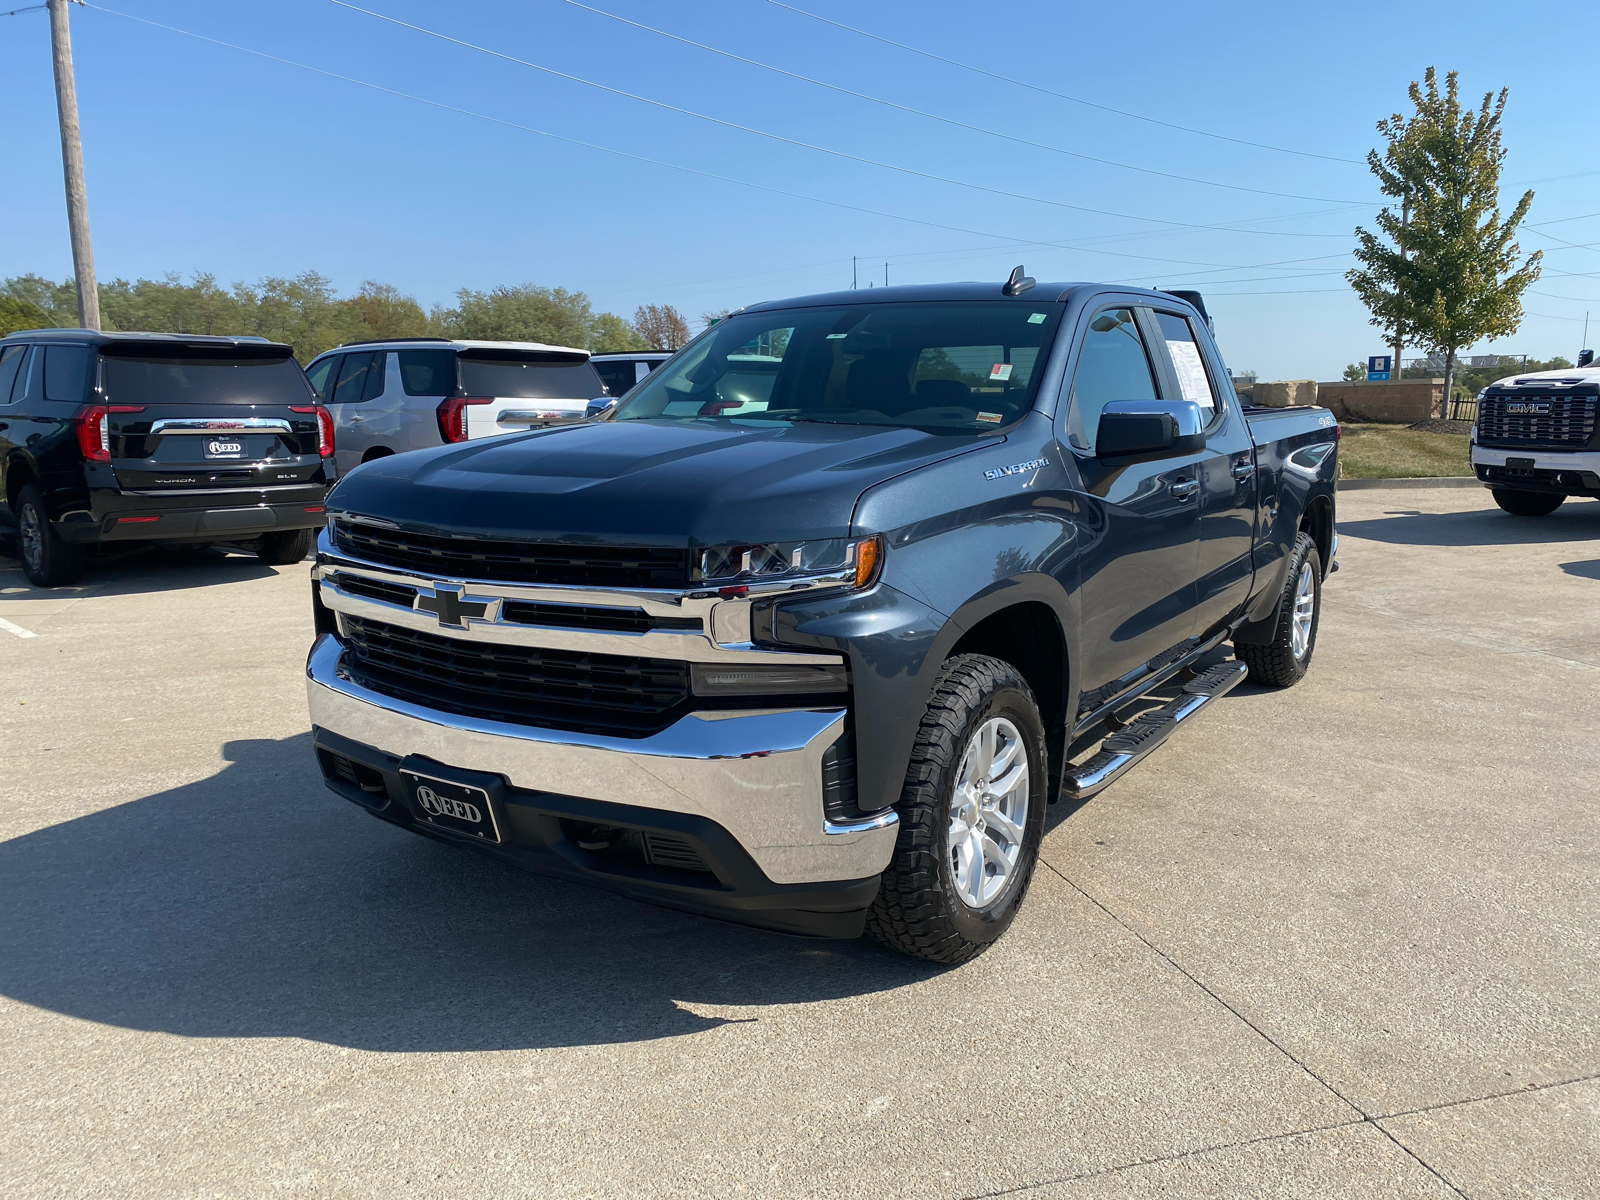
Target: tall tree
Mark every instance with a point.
(1448, 276)
(21, 314)
(661, 325)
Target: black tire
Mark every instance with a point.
(1279, 663)
(919, 909)
(1526, 504)
(47, 561)
(285, 546)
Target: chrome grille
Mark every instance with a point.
(1545, 418)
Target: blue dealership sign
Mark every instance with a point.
(1378, 368)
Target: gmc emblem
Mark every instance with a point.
(1528, 408)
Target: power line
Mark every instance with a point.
(1021, 141)
(1021, 243)
(1062, 95)
(778, 137)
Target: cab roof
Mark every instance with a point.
(99, 337)
(972, 290)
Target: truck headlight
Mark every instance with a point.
(856, 559)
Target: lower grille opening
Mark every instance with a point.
(638, 847)
(337, 766)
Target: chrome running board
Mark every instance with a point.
(1129, 744)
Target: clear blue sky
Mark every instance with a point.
(204, 158)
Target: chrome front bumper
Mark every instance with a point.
(758, 774)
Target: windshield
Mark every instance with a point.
(207, 378)
(521, 379)
(961, 365)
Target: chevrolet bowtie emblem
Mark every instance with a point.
(448, 603)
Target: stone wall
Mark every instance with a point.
(1395, 402)
(1284, 393)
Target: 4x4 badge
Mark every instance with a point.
(448, 603)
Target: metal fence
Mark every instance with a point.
(1464, 409)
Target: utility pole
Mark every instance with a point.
(886, 279)
(1398, 373)
(852, 272)
(72, 164)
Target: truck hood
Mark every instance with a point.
(1571, 375)
(645, 483)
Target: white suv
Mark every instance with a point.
(404, 394)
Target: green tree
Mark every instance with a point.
(1355, 372)
(386, 313)
(529, 313)
(21, 314)
(610, 334)
(59, 301)
(1448, 276)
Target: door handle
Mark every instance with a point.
(1243, 471)
(1184, 488)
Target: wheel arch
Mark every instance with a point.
(19, 473)
(373, 453)
(1317, 521)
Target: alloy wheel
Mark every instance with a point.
(1305, 610)
(989, 812)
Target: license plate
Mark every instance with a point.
(453, 806)
(225, 447)
(1520, 464)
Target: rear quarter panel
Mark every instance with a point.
(1297, 464)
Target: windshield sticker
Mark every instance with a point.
(1036, 319)
(1000, 371)
(991, 418)
(834, 336)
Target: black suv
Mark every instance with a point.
(136, 437)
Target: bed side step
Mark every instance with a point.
(1129, 744)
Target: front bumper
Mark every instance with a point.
(1567, 472)
(754, 777)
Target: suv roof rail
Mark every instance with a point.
(386, 341)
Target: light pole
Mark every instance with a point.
(72, 165)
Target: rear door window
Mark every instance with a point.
(321, 374)
(530, 379)
(66, 372)
(1113, 365)
(1183, 350)
(428, 372)
(618, 376)
(11, 360)
(158, 374)
(353, 379)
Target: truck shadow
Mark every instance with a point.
(129, 573)
(1574, 521)
(1584, 570)
(256, 903)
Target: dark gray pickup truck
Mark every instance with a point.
(809, 631)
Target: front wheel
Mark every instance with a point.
(1526, 504)
(284, 547)
(1283, 661)
(971, 816)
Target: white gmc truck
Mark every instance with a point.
(1536, 441)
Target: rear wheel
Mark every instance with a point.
(285, 546)
(971, 816)
(1283, 661)
(1526, 504)
(46, 560)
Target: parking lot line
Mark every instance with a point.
(18, 630)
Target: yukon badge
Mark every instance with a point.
(1016, 468)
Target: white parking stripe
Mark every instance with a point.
(16, 629)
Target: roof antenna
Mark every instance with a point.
(1017, 284)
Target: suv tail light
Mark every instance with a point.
(94, 435)
(453, 416)
(324, 426)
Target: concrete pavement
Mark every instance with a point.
(1340, 941)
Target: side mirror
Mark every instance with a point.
(1586, 358)
(1134, 430)
(599, 407)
